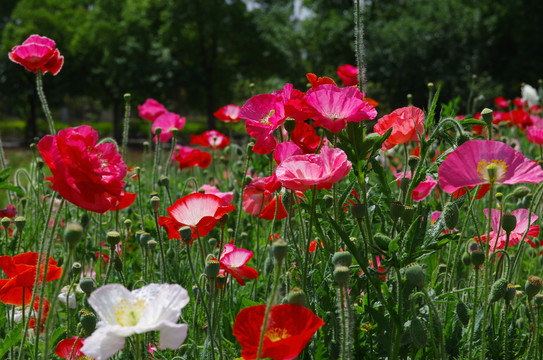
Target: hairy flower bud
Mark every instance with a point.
(418, 332)
(343, 258)
(73, 233)
(88, 321)
(451, 214)
(509, 223)
(462, 313)
(498, 290)
(415, 275)
(87, 285)
(533, 285)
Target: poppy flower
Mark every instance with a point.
(534, 134)
(478, 162)
(521, 118)
(258, 198)
(313, 245)
(151, 110)
(188, 157)
(480, 194)
(286, 150)
(315, 81)
(288, 330)
(348, 74)
(405, 123)
(38, 53)
(501, 102)
(211, 138)
(233, 260)
(201, 212)
(422, 190)
(301, 172)
(226, 197)
(498, 237)
(274, 210)
(293, 103)
(127, 199)
(228, 113)
(85, 173)
(305, 136)
(65, 347)
(32, 312)
(529, 95)
(122, 313)
(332, 107)
(9, 212)
(21, 272)
(167, 122)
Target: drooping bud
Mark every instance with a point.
(382, 241)
(509, 222)
(462, 313)
(88, 321)
(477, 258)
(521, 192)
(466, 259)
(296, 296)
(73, 233)
(419, 335)
(279, 250)
(451, 214)
(358, 211)
(212, 268)
(342, 258)
(533, 285)
(498, 290)
(341, 275)
(113, 238)
(415, 275)
(404, 184)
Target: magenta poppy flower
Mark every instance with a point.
(469, 164)
(534, 134)
(332, 107)
(38, 53)
(211, 138)
(348, 74)
(501, 102)
(228, 113)
(226, 197)
(151, 109)
(167, 122)
(406, 124)
(286, 150)
(293, 102)
(233, 261)
(498, 237)
(201, 212)
(301, 172)
(423, 189)
(263, 114)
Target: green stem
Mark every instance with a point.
(43, 100)
(308, 239)
(126, 124)
(162, 257)
(474, 312)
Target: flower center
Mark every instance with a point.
(129, 312)
(492, 171)
(276, 334)
(266, 120)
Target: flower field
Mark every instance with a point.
(335, 231)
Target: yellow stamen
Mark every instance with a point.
(276, 334)
(129, 313)
(492, 171)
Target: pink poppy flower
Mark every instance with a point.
(263, 114)
(226, 197)
(301, 172)
(228, 113)
(200, 212)
(423, 189)
(151, 109)
(38, 53)
(348, 74)
(332, 107)
(468, 165)
(211, 138)
(167, 122)
(233, 261)
(293, 103)
(286, 150)
(406, 124)
(501, 102)
(498, 237)
(534, 134)
(258, 194)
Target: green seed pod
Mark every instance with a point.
(521, 192)
(451, 214)
(151, 244)
(289, 125)
(415, 275)
(509, 222)
(538, 300)
(220, 280)
(20, 222)
(396, 210)
(533, 285)
(341, 275)
(127, 224)
(359, 211)
(113, 238)
(462, 313)
(418, 332)
(73, 233)
(164, 181)
(6, 222)
(212, 268)
(487, 116)
(279, 250)
(155, 203)
(76, 269)
(186, 234)
(466, 259)
(382, 241)
(88, 321)
(407, 216)
(499, 196)
(296, 296)
(498, 290)
(342, 258)
(510, 293)
(404, 184)
(477, 258)
(87, 285)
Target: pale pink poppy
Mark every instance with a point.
(468, 165)
(263, 114)
(332, 107)
(228, 113)
(423, 189)
(226, 197)
(301, 172)
(151, 109)
(498, 237)
(167, 122)
(234, 260)
(286, 150)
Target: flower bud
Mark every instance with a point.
(76, 269)
(279, 250)
(113, 238)
(20, 222)
(418, 333)
(127, 224)
(289, 124)
(538, 299)
(6, 222)
(155, 203)
(88, 321)
(404, 184)
(144, 239)
(358, 211)
(408, 213)
(164, 181)
(117, 262)
(451, 214)
(486, 114)
(477, 258)
(151, 244)
(462, 313)
(415, 275)
(510, 293)
(341, 275)
(85, 220)
(87, 285)
(462, 138)
(466, 259)
(212, 268)
(413, 162)
(526, 201)
(73, 233)
(509, 223)
(521, 192)
(382, 241)
(342, 258)
(296, 296)
(186, 234)
(409, 99)
(499, 197)
(396, 210)
(533, 285)
(498, 290)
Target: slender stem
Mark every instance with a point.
(162, 258)
(126, 124)
(239, 206)
(308, 239)
(43, 100)
(474, 312)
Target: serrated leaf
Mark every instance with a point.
(11, 340)
(15, 189)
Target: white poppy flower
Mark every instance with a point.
(64, 292)
(123, 313)
(529, 94)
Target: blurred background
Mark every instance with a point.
(195, 56)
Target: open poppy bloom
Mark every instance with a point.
(9, 212)
(228, 113)
(151, 109)
(478, 162)
(258, 198)
(422, 190)
(122, 313)
(226, 197)
(65, 347)
(211, 138)
(200, 212)
(301, 172)
(501, 102)
(87, 174)
(188, 157)
(21, 272)
(305, 136)
(127, 199)
(233, 261)
(406, 124)
(315, 81)
(32, 313)
(288, 330)
(167, 122)
(38, 53)
(498, 237)
(348, 74)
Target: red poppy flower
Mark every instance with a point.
(34, 313)
(313, 245)
(189, 157)
(405, 122)
(315, 81)
(127, 199)
(9, 212)
(38, 53)
(348, 74)
(65, 347)
(200, 212)
(274, 209)
(228, 113)
(501, 102)
(211, 138)
(258, 198)
(21, 272)
(87, 174)
(288, 330)
(233, 261)
(293, 102)
(305, 136)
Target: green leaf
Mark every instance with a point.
(11, 340)
(15, 189)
